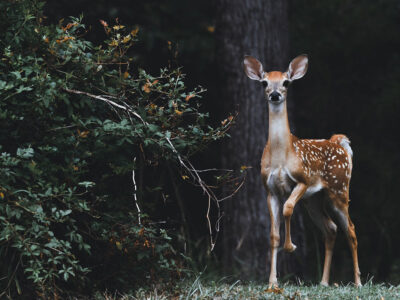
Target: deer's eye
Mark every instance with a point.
(286, 83)
(264, 83)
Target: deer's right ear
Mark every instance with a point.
(298, 67)
(253, 68)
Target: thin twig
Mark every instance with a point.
(213, 169)
(234, 192)
(134, 193)
(206, 190)
(62, 127)
(11, 278)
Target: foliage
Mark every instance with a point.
(77, 121)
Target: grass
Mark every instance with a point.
(239, 290)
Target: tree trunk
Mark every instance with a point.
(258, 28)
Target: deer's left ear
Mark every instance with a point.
(253, 68)
(298, 67)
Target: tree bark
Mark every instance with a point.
(258, 28)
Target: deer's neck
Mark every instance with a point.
(279, 136)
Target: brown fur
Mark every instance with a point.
(274, 76)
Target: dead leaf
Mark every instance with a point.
(146, 88)
(211, 29)
(188, 97)
(134, 32)
(126, 39)
(64, 39)
(113, 43)
(118, 27)
(69, 25)
(119, 246)
(104, 23)
(275, 290)
(83, 134)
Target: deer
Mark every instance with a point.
(318, 171)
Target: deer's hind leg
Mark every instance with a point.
(315, 208)
(341, 210)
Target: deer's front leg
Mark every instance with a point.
(273, 207)
(288, 207)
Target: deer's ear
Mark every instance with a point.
(298, 67)
(253, 68)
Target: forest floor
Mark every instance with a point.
(238, 290)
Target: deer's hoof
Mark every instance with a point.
(324, 283)
(273, 284)
(289, 247)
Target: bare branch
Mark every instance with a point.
(62, 127)
(212, 169)
(108, 101)
(134, 194)
(234, 192)
(206, 190)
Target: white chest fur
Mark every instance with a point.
(280, 181)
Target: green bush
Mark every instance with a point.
(77, 122)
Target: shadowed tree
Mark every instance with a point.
(257, 28)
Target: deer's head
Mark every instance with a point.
(275, 83)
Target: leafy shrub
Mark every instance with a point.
(77, 121)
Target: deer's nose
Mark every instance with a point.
(274, 96)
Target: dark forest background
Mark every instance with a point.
(352, 87)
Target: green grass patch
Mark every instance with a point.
(239, 290)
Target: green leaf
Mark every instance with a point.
(25, 152)
(87, 184)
